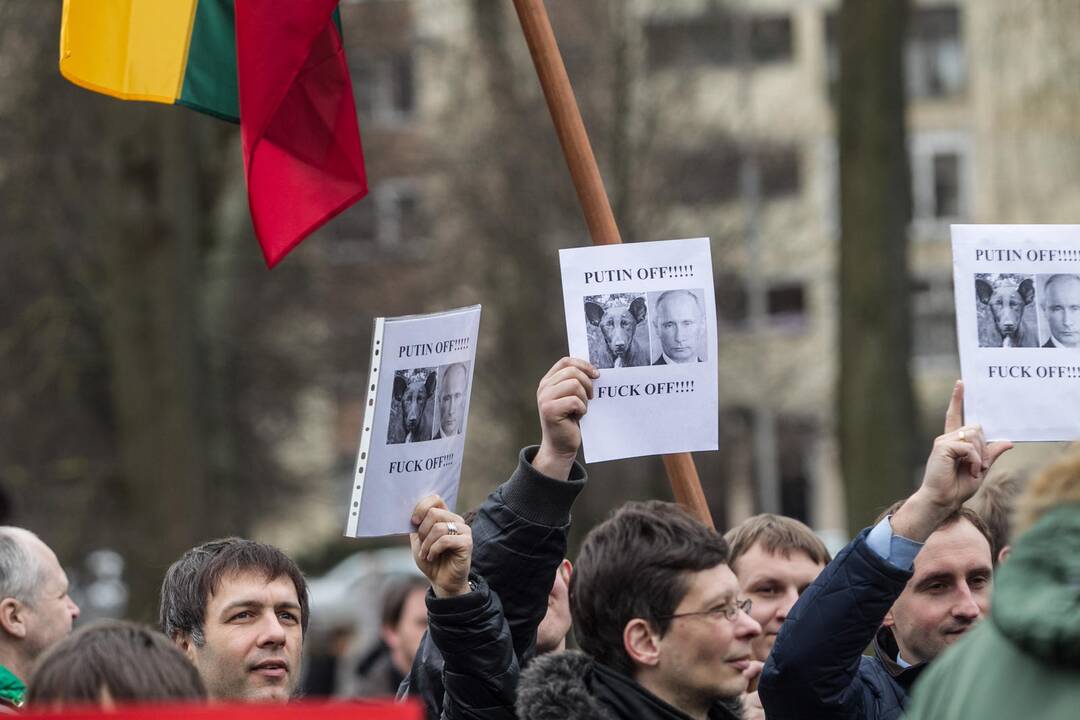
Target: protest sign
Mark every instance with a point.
(415, 418)
(645, 315)
(383, 710)
(1018, 323)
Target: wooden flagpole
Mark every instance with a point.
(681, 471)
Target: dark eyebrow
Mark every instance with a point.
(237, 604)
(937, 577)
(722, 599)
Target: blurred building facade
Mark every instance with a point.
(729, 116)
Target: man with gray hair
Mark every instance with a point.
(35, 609)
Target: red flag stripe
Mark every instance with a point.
(302, 154)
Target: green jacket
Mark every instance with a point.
(1024, 661)
(12, 689)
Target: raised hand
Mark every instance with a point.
(957, 465)
(441, 547)
(752, 708)
(562, 398)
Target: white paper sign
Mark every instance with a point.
(415, 418)
(1018, 322)
(645, 315)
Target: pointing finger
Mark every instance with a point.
(954, 415)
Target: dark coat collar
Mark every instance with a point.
(572, 686)
(887, 651)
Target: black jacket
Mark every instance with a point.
(519, 539)
(375, 674)
(570, 685)
(816, 668)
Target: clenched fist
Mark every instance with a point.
(562, 399)
(441, 546)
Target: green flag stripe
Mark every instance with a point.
(210, 76)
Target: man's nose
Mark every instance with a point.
(1070, 318)
(746, 627)
(73, 609)
(271, 632)
(791, 596)
(966, 608)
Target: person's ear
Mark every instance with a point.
(389, 636)
(186, 645)
(1003, 553)
(889, 621)
(641, 643)
(13, 617)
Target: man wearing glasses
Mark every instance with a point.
(659, 616)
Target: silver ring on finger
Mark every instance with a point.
(452, 529)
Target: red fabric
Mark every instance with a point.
(388, 710)
(302, 155)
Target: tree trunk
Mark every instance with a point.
(150, 234)
(876, 405)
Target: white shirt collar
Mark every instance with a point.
(1057, 343)
(669, 361)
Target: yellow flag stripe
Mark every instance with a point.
(130, 49)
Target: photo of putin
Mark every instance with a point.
(452, 394)
(1061, 307)
(679, 323)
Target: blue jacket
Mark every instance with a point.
(816, 668)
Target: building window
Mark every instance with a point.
(934, 318)
(779, 171)
(731, 300)
(711, 176)
(946, 171)
(934, 53)
(771, 40)
(709, 40)
(934, 63)
(786, 302)
(390, 218)
(939, 177)
(795, 440)
(385, 86)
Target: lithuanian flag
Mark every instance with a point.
(278, 67)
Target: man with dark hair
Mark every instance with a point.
(36, 611)
(994, 504)
(656, 610)
(402, 626)
(110, 662)
(1026, 660)
(238, 609)
(911, 585)
(775, 559)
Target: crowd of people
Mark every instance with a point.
(966, 593)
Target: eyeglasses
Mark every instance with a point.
(729, 612)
